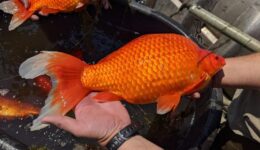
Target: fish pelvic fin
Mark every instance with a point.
(18, 10)
(168, 102)
(65, 72)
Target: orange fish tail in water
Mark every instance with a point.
(45, 7)
(152, 68)
(67, 89)
(10, 109)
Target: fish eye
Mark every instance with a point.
(216, 57)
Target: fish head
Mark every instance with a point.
(211, 63)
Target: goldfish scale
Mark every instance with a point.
(154, 67)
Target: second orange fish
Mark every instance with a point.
(21, 13)
(10, 109)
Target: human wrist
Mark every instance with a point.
(138, 142)
(104, 140)
(123, 135)
(130, 141)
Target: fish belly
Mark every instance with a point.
(146, 68)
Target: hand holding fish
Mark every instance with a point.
(94, 120)
(237, 73)
(112, 114)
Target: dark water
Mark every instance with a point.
(94, 36)
(62, 32)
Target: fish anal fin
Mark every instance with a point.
(167, 102)
(106, 96)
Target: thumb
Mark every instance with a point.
(64, 122)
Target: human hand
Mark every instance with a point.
(100, 121)
(194, 96)
(216, 82)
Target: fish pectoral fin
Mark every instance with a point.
(106, 96)
(167, 102)
(197, 85)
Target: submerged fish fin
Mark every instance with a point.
(46, 11)
(65, 72)
(167, 102)
(20, 15)
(106, 96)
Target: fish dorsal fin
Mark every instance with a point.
(166, 103)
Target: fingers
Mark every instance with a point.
(64, 122)
(35, 17)
(195, 96)
(42, 13)
(86, 101)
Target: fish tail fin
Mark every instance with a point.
(8, 7)
(20, 13)
(65, 72)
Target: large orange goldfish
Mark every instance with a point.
(10, 109)
(152, 68)
(24, 9)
